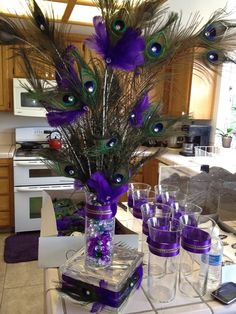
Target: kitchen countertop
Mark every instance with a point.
(7, 151)
(224, 158)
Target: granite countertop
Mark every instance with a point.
(7, 151)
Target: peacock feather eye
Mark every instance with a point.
(156, 46)
(212, 31)
(118, 179)
(112, 142)
(157, 127)
(90, 86)
(69, 170)
(118, 26)
(212, 56)
(69, 100)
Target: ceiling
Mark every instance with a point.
(71, 11)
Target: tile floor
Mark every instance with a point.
(21, 286)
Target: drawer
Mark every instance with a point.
(4, 203)
(4, 172)
(4, 186)
(5, 219)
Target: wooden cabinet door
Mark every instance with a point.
(191, 92)
(6, 193)
(179, 88)
(150, 172)
(6, 75)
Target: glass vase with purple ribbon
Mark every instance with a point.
(195, 242)
(135, 186)
(140, 197)
(149, 210)
(99, 232)
(163, 265)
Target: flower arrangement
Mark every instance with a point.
(103, 106)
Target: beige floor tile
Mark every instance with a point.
(23, 274)
(24, 300)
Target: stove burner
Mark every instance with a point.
(31, 145)
(30, 149)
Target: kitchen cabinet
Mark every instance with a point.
(189, 91)
(6, 88)
(6, 193)
(147, 174)
(45, 71)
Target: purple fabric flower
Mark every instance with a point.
(57, 118)
(126, 54)
(136, 116)
(103, 189)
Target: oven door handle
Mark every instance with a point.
(29, 163)
(42, 188)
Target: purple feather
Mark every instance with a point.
(99, 42)
(136, 116)
(65, 72)
(126, 54)
(57, 118)
(103, 189)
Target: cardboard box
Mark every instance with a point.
(54, 250)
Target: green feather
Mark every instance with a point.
(156, 47)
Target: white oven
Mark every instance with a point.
(31, 177)
(25, 105)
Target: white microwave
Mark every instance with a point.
(23, 104)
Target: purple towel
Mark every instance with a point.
(21, 247)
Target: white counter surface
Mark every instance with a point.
(7, 151)
(226, 158)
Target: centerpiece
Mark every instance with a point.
(103, 105)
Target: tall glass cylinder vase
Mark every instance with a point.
(99, 233)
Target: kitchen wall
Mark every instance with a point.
(8, 123)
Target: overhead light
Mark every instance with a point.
(82, 12)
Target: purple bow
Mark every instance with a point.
(126, 54)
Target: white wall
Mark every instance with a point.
(8, 123)
(204, 7)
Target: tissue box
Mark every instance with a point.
(109, 287)
(54, 250)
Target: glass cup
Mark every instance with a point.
(178, 205)
(163, 265)
(195, 244)
(140, 197)
(193, 212)
(166, 193)
(148, 210)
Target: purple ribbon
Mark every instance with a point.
(130, 201)
(163, 248)
(101, 212)
(145, 228)
(195, 240)
(102, 295)
(136, 207)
